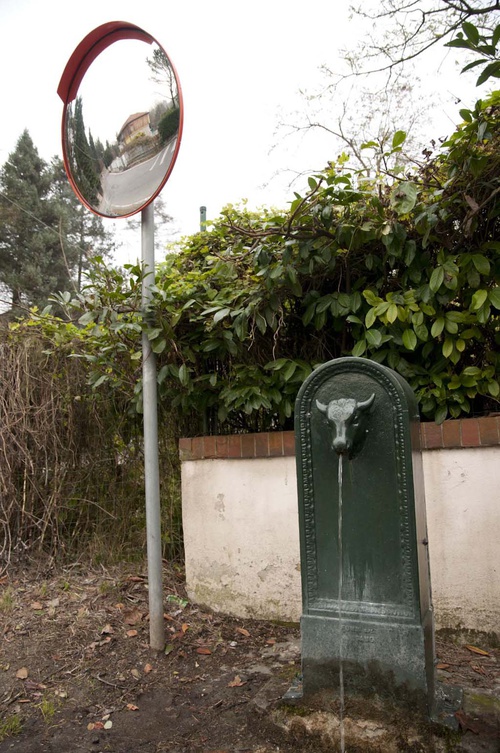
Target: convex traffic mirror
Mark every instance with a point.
(122, 119)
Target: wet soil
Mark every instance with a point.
(77, 673)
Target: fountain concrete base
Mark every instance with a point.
(376, 725)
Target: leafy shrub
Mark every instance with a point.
(402, 268)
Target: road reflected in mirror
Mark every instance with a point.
(120, 132)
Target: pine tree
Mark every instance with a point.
(29, 265)
(46, 235)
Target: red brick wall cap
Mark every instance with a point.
(458, 433)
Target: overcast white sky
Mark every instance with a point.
(238, 63)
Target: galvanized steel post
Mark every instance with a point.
(151, 465)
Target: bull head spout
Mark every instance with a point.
(347, 418)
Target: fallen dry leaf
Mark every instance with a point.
(466, 722)
(132, 617)
(271, 641)
(236, 683)
(243, 631)
(98, 725)
(203, 650)
(476, 650)
(135, 673)
(90, 726)
(442, 665)
(131, 633)
(37, 605)
(135, 579)
(132, 707)
(107, 629)
(147, 668)
(22, 673)
(95, 644)
(477, 668)
(32, 685)
(185, 627)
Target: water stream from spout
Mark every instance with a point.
(340, 585)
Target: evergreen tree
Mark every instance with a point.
(84, 233)
(32, 265)
(81, 152)
(46, 236)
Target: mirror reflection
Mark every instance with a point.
(120, 133)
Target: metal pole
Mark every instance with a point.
(151, 466)
(203, 227)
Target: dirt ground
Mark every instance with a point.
(76, 672)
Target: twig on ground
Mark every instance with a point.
(111, 684)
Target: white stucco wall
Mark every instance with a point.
(241, 536)
(463, 518)
(242, 539)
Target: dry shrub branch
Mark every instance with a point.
(71, 462)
